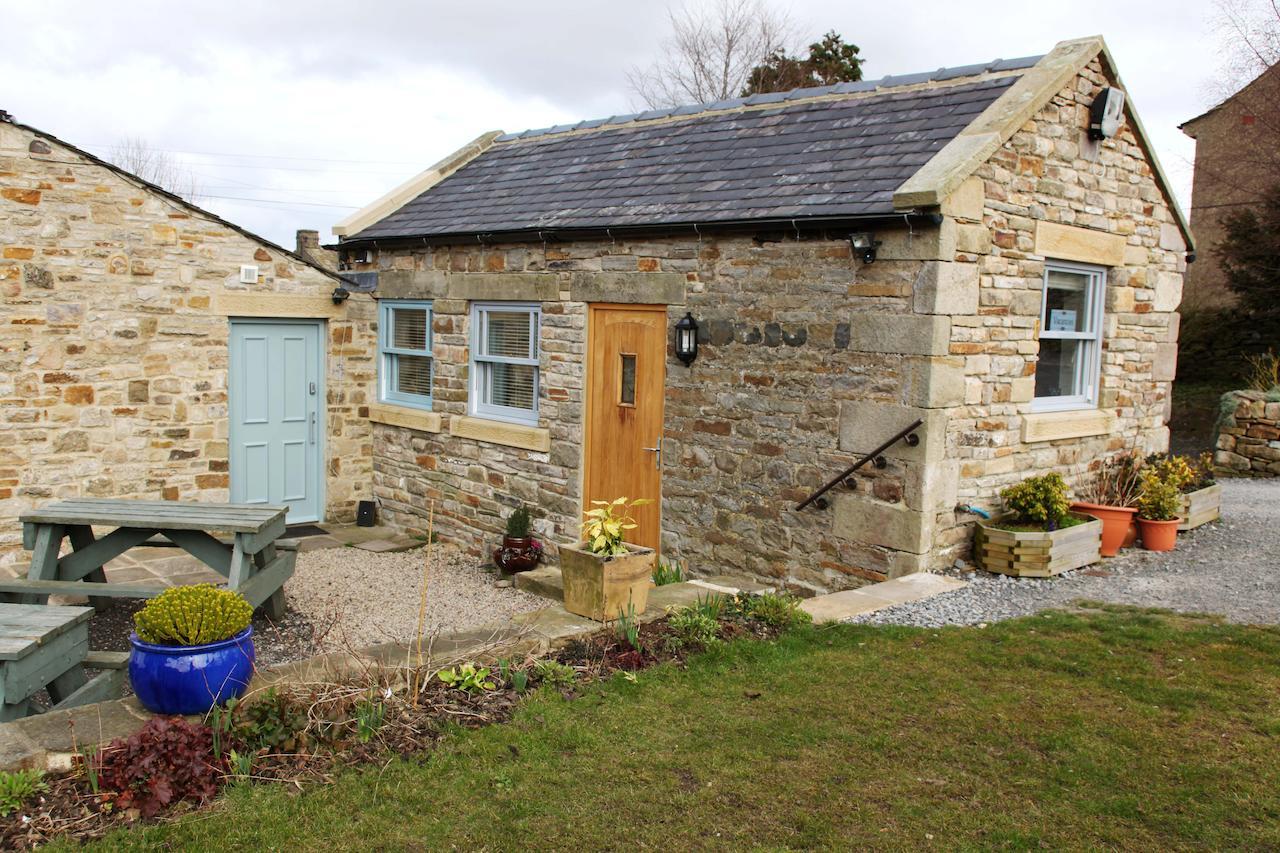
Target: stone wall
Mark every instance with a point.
(1049, 172)
(114, 353)
(797, 338)
(1249, 436)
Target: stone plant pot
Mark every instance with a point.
(1201, 507)
(1159, 535)
(1117, 522)
(603, 588)
(1038, 553)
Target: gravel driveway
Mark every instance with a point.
(1231, 567)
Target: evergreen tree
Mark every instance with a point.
(831, 60)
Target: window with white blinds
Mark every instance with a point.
(405, 353)
(504, 362)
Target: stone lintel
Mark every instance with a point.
(1072, 243)
(633, 288)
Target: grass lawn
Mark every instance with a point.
(1104, 728)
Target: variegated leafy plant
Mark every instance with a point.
(606, 526)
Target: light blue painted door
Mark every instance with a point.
(275, 391)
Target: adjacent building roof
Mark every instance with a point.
(811, 156)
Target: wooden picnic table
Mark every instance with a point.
(255, 561)
(47, 647)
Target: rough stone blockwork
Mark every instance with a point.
(113, 362)
(1249, 438)
(1048, 171)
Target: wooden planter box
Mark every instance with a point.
(602, 588)
(1041, 554)
(1201, 507)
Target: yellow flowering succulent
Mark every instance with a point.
(192, 616)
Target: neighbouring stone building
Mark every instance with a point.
(950, 247)
(118, 304)
(1249, 435)
(1237, 161)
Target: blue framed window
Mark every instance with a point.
(404, 352)
(504, 361)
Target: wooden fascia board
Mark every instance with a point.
(415, 186)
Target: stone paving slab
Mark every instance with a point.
(839, 606)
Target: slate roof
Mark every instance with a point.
(814, 155)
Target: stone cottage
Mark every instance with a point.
(990, 250)
(153, 350)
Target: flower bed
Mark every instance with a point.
(304, 734)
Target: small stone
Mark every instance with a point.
(505, 583)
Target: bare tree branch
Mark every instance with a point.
(136, 155)
(710, 52)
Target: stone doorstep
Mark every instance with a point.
(50, 740)
(839, 606)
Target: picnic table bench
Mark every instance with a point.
(48, 647)
(255, 561)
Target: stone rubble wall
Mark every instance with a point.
(113, 364)
(1249, 437)
(1049, 172)
(795, 336)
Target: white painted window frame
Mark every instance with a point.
(388, 354)
(1089, 368)
(481, 363)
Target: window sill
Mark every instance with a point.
(404, 416)
(1080, 423)
(498, 432)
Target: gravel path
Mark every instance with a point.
(1231, 568)
(352, 598)
(341, 598)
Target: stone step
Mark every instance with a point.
(545, 581)
(839, 606)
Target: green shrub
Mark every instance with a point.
(605, 527)
(467, 677)
(691, 627)
(18, 786)
(555, 673)
(1038, 501)
(777, 610)
(1161, 498)
(272, 721)
(192, 616)
(519, 523)
(665, 573)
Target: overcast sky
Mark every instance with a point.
(293, 114)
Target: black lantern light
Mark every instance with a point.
(340, 295)
(687, 339)
(864, 245)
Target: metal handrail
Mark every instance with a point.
(907, 435)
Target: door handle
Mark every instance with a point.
(657, 453)
(311, 429)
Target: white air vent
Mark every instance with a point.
(248, 274)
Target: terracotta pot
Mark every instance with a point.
(1131, 535)
(1116, 521)
(1159, 535)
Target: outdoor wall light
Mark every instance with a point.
(340, 295)
(687, 339)
(864, 245)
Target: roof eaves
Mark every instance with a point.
(173, 197)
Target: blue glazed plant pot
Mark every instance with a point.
(190, 679)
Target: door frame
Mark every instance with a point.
(322, 415)
(592, 309)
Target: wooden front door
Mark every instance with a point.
(626, 377)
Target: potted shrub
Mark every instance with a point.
(604, 577)
(1201, 494)
(1112, 498)
(1039, 536)
(192, 649)
(1158, 508)
(519, 551)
